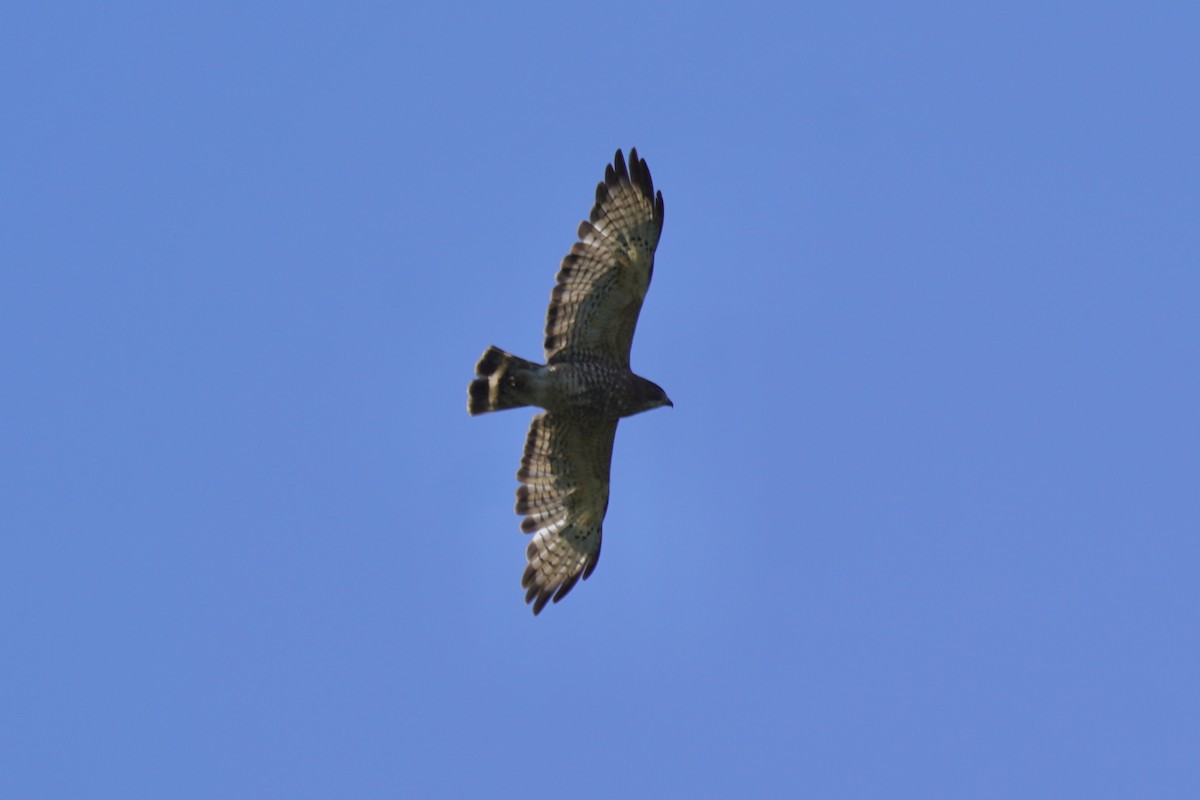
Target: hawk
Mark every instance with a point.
(585, 386)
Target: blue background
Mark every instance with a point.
(923, 522)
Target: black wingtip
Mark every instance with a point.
(592, 562)
(619, 164)
(566, 587)
(639, 174)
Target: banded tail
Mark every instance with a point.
(502, 381)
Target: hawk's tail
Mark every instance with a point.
(500, 383)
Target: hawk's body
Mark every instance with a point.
(586, 384)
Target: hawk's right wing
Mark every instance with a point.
(601, 283)
(564, 494)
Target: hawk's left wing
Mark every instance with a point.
(601, 283)
(564, 494)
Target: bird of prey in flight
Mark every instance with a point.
(586, 384)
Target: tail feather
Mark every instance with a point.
(500, 382)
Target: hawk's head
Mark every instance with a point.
(648, 395)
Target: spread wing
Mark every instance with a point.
(603, 280)
(564, 494)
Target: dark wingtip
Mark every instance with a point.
(640, 177)
(566, 587)
(619, 164)
(639, 174)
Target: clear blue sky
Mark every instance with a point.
(923, 521)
